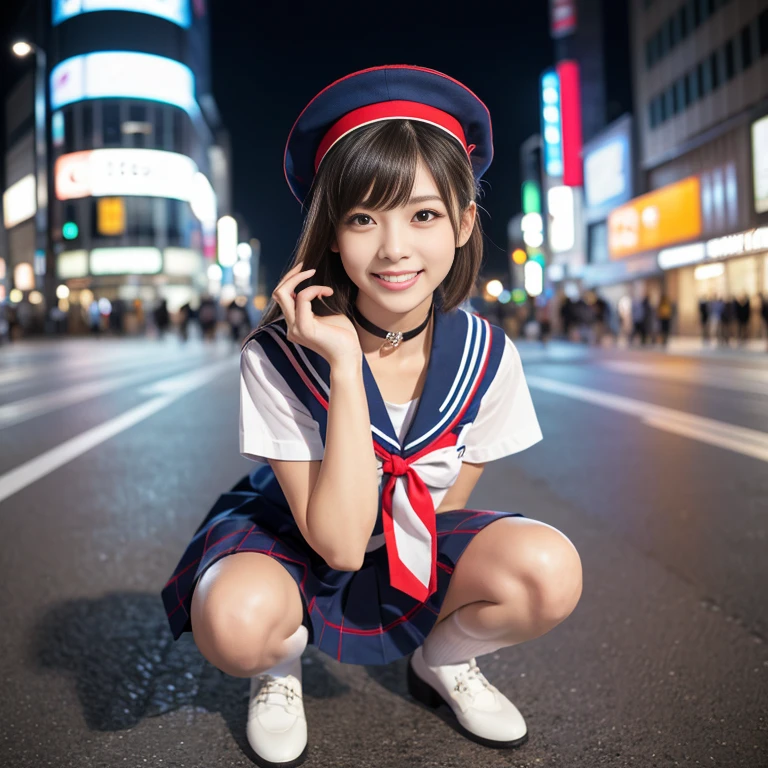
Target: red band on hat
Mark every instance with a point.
(389, 110)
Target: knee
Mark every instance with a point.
(237, 630)
(548, 567)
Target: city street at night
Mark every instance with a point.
(653, 464)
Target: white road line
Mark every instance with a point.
(749, 442)
(30, 407)
(736, 379)
(47, 462)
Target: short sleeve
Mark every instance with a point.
(274, 423)
(506, 422)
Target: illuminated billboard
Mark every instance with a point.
(667, 216)
(124, 172)
(608, 173)
(176, 11)
(123, 74)
(550, 128)
(760, 163)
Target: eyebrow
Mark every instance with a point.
(424, 198)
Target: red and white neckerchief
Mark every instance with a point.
(410, 528)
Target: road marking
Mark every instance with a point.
(749, 442)
(37, 405)
(737, 379)
(40, 466)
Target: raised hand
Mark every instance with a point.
(333, 336)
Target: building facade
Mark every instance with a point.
(700, 77)
(138, 167)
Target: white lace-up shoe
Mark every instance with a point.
(277, 727)
(483, 713)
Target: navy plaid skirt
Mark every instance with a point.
(354, 616)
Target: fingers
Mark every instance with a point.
(284, 295)
(304, 316)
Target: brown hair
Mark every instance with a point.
(385, 153)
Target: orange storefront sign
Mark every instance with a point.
(667, 216)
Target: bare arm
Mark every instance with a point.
(344, 503)
(335, 501)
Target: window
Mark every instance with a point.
(673, 105)
(682, 21)
(683, 93)
(730, 60)
(673, 32)
(649, 53)
(695, 12)
(762, 23)
(714, 66)
(87, 116)
(662, 43)
(694, 87)
(705, 78)
(652, 113)
(662, 107)
(110, 115)
(746, 47)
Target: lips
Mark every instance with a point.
(400, 286)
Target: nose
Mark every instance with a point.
(394, 242)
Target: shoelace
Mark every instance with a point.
(465, 680)
(274, 686)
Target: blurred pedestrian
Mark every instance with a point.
(641, 315)
(704, 319)
(567, 316)
(664, 313)
(162, 318)
(727, 316)
(94, 318)
(764, 314)
(238, 320)
(208, 316)
(186, 314)
(602, 315)
(743, 310)
(715, 315)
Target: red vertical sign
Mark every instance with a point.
(570, 123)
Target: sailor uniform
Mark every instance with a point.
(475, 408)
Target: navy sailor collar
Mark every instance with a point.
(460, 354)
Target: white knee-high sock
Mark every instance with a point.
(450, 642)
(292, 649)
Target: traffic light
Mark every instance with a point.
(70, 230)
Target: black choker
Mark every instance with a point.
(393, 337)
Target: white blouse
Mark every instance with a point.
(275, 424)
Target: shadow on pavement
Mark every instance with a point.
(126, 667)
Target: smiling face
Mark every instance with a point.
(397, 258)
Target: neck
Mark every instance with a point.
(394, 321)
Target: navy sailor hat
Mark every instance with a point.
(395, 92)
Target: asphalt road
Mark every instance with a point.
(654, 465)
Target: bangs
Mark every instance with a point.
(375, 168)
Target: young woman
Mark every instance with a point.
(372, 402)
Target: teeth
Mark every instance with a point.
(398, 278)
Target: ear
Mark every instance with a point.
(467, 223)
(334, 246)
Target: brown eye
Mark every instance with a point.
(435, 214)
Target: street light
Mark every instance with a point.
(22, 49)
